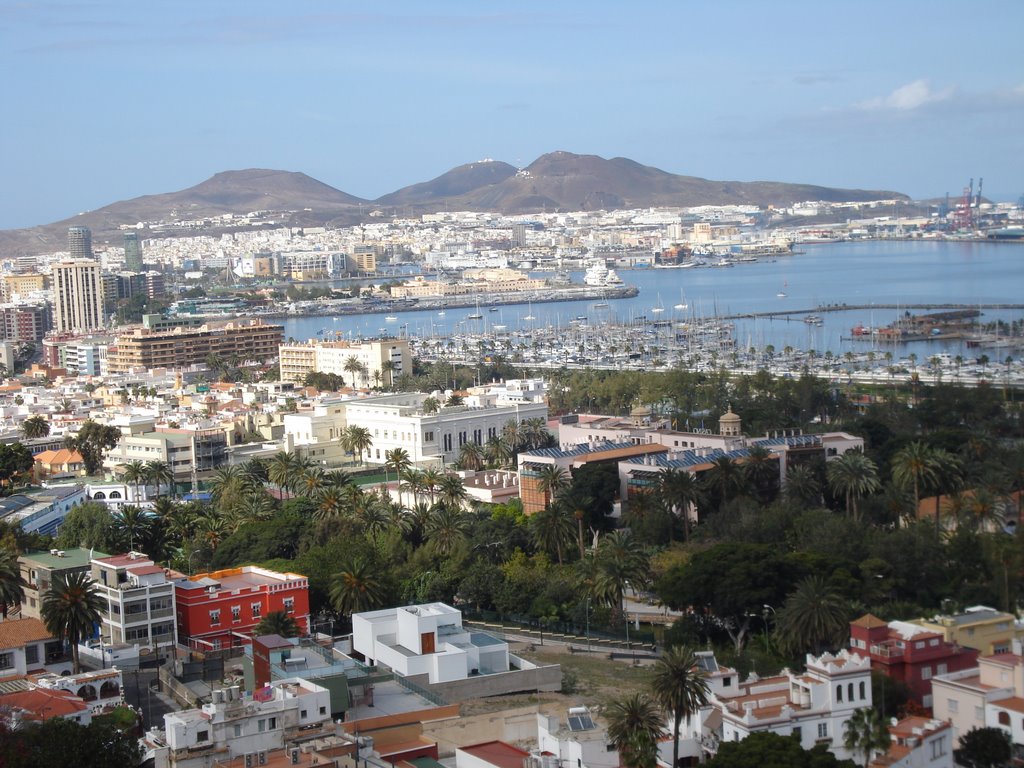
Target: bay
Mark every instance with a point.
(858, 273)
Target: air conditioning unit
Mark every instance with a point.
(262, 757)
(250, 760)
(295, 755)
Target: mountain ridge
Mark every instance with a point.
(555, 181)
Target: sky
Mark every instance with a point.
(107, 101)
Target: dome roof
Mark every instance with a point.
(729, 416)
(640, 410)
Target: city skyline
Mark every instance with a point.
(116, 100)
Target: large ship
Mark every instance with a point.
(598, 275)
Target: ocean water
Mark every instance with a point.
(860, 274)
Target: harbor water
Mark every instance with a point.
(858, 274)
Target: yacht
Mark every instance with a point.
(600, 276)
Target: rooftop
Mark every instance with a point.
(71, 558)
(43, 704)
(246, 577)
(497, 753)
(15, 633)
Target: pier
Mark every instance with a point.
(786, 313)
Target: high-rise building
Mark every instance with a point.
(80, 242)
(132, 252)
(77, 296)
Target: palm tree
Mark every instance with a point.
(447, 528)
(159, 472)
(277, 623)
(397, 460)
(283, 470)
(866, 733)
(311, 481)
(551, 481)
(725, 480)
(680, 491)
(814, 617)
(352, 366)
(915, 464)
(680, 687)
(330, 504)
(358, 440)
(432, 478)
(71, 610)
(471, 456)
(552, 529)
(802, 486)
(35, 426)
(634, 728)
(254, 471)
(356, 588)
(451, 492)
(853, 475)
(134, 472)
(620, 559)
(11, 584)
(762, 471)
(133, 523)
(212, 529)
(514, 434)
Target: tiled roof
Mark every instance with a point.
(62, 456)
(15, 633)
(43, 704)
(869, 621)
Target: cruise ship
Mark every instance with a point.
(600, 276)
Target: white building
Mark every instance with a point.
(399, 421)
(578, 742)
(381, 361)
(23, 646)
(235, 724)
(138, 601)
(427, 640)
(813, 706)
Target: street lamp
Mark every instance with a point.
(588, 625)
(764, 616)
(629, 646)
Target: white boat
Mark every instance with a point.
(441, 313)
(530, 315)
(657, 309)
(600, 276)
(476, 315)
(390, 319)
(682, 306)
(782, 294)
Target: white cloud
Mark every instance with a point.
(909, 97)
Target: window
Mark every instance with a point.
(953, 706)
(323, 710)
(6, 660)
(257, 609)
(261, 726)
(236, 613)
(941, 669)
(31, 654)
(428, 437)
(822, 730)
(303, 714)
(238, 730)
(202, 736)
(215, 616)
(798, 731)
(289, 604)
(727, 682)
(839, 693)
(849, 692)
(933, 642)
(272, 723)
(938, 748)
(862, 694)
(926, 673)
(1004, 718)
(979, 714)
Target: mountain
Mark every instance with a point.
(253, 189)
(558, 181)
(570, 182)
(465, 179)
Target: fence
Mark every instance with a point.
(565, 631)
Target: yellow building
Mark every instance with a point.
(381, 361)
(985, 629)
(22, 285)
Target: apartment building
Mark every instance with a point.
(183, 347)
(909, 653)
(221, 609)
(985, 629)
(381, 361)
(988, 695)
(27, 322)
(77, 295)
(14, 287)
(40, 569)
(139, 600)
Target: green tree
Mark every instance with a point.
(813, 618)
(680, 688)
(551, 481)
(62, 743)
(89, 525)
(92, 441)
(71, 610)
(552, 529)
(134, 473)
(853, 475)
(620, 560)
(35, 426)
(277, 623)
(447, 528)
(358, 440)
(132, 524)
(770, 750)
(681, 492)
(12, 590)
(866, 733)
(397, 460)
(283, 470)
(916, 465)
(984, 748)
(356, 588)
(634, 728)
(159, 472)
(15, 461)
(724, 480)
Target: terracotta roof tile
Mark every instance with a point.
(15, 633)
(869, 621)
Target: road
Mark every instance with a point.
(140, 690)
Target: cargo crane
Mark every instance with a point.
(977, 199)
(963, 218)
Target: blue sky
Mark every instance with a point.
(110, 100)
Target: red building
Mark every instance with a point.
(909, 653)
(221, 609)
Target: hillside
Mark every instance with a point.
(466, 179)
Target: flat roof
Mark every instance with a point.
(73, 558)
(246, 577)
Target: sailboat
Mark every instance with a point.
(657, 309)
(476, 315)
(530, 316)
(682, 305)
(782, 294)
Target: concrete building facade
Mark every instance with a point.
(77, 296)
